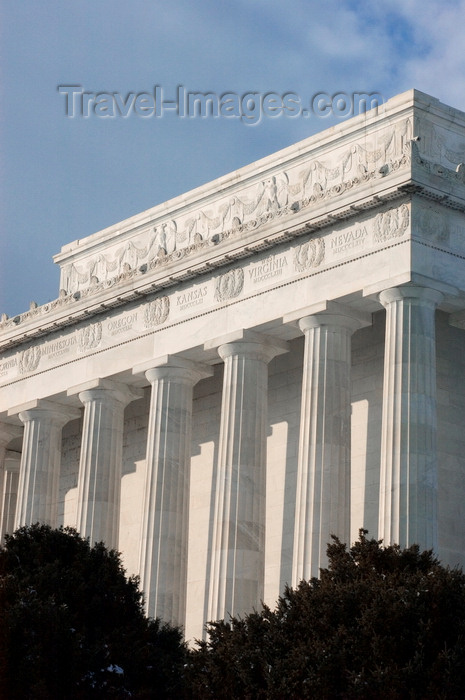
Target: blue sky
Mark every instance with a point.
(63, 179)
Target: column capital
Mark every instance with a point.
(175, 368)
(423, 295)
(58, 412)
(124, 393)
(38, 486)
(329, 313)
(341, 322)
(264, 347)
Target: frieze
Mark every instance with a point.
(336, 169)
(281, 194)
(121, 324)
(156, 312)
(268, 268)
(29, 359)
(36, 310)
(90, 336)
(60, 347)
(7, 365)
(392, 223)
(229, 285)
(443, 146)
(191, 298)
(454, 175)
(316, 252)
(348, 240)
(309, 254)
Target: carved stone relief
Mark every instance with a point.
(309, 254)
(156, 312)
(280, 195)
(250, 208)
(392, 223)
(90, 336)
(29, 359)
(229, 285)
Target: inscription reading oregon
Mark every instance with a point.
(120, 325)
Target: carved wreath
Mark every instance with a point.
(229, 285)
(309, 254)
(156, 312)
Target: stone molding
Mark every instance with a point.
(56, 410)
(94, 388)
(173, 367)
(310, 185)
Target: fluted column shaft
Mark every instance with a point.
(100, 468)
(9, 493)
(408, 484)
(323, 477)
(40, 463)
(163, 555)
(9, 470)
(237, 572)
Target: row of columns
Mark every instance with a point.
(408, 489)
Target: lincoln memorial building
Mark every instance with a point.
(228, 378)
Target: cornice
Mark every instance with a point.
(310, 215)
(306, 188)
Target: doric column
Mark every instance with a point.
(165, 523)
(408, 482)
(237, 571)
(9, 493)
(323, 476)
(40, 461)
(7, 508)
(100, 467)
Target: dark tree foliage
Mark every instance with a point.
(381, 622)
(72, 624)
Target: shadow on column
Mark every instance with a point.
(294, 398)
(367, 386)
(207, 400)
(69, 472)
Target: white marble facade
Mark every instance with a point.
(228, 378)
